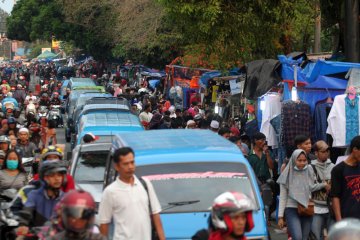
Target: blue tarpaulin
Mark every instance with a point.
(325, 82)
(204, 79)
(328, 68)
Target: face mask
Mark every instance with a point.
(12, 164)
(297, 169)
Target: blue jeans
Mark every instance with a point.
(298, 226)
(320, 221)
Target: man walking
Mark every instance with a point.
(127, 202)
(345, 184)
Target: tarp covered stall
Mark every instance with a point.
(261, 76)
(47, 55)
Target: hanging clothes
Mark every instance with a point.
(354, 78)
(320, 120)
(296, 120)
(352, 118)
(214, 93)
(271, 110)
(343, 120)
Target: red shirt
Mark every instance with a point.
(70, 183)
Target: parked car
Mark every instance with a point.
(87, 167)
(105, 122)
(62, 92)
(71, 104)
(98, 100)
(79, 104)
(81, 82)
(189, 169)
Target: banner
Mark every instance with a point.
(235, 87)
(45, 49)
(55, 44)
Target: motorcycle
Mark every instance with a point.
(43, 112)
(55, 114)
(8, 221)
(28, 163)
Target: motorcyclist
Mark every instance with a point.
(8, 101)
(30, 97)
(78, 210)
(44, 100)
(28, 148)
(44, 89)
(55, 99)
(19, 94)
(12, 126)
(4, 143)
(52, 153)
(41, 202)
(231, 216)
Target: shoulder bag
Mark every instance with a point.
(154, 235)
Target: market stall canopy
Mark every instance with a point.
(46, 55)
(330, 68)
(261, 76)
(324, 82)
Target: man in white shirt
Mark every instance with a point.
(126, 201)
(146, 115)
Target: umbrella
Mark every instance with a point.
(46, 54)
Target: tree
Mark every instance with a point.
(238, 31)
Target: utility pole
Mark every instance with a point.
(352, 42)
(317, 38)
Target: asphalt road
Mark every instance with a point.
(275, 232)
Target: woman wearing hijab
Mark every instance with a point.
(296, 184)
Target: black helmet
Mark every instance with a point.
(49, 167)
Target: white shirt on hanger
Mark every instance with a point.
(272, 109)
(337, 121)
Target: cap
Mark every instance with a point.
(214, 124)
(89, 137)
(190, 122)
(4, 121)
(2, 154)
(25, 130)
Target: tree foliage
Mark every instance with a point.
(239, 31)
(212, 33)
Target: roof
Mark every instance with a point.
(109, 131)
(104, 107)
(81, 79)
(107, 100)
(175, 141)
(109, 119)
(92, 147)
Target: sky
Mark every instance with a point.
(7, 5)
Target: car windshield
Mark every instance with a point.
(196, 184)
(90, 167)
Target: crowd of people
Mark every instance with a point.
(314, 193)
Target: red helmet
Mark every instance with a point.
(77, 204)
(231, 203)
